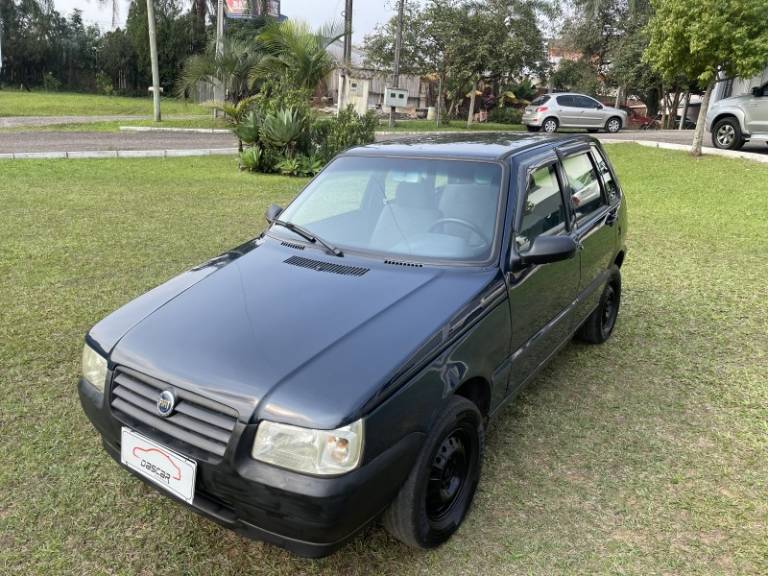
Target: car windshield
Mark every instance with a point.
(417, 208)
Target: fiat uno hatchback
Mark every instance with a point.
(343, 365)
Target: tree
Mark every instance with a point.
(231, 66)
(296, 52)
(704, 38)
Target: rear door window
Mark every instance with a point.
(609, 182)
(565, 101)
(586, 192)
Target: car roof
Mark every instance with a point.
(490, 147)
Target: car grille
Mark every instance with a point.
(196, 421)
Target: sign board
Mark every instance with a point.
(245, 9)
(395, 97)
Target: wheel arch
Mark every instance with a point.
(736, 115)
(477, 390)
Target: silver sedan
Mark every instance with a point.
(567, 110)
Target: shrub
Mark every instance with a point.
(289, 167)
(104, 84)
(344, 131)
(506, 115)
(309, 165)
(283, 130)
(51, 83)
(248, 130)
(250, 159)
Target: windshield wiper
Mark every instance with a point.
(309, 236)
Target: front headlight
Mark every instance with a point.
(94, 368)
(323, 452)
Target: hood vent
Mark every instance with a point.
(408, 264)
(292, 245)
(321, 266)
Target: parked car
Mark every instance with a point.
(345, 363)
(739, 119)
(551, 112)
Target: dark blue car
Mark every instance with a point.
(344, 364)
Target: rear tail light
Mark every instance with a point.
(542, 109)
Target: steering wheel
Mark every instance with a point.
(466, 223)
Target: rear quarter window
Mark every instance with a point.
(540, 100)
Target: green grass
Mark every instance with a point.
(644, 456)
(20, 103)
(454, 125)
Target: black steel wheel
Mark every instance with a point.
(438, 493)
(600, 324)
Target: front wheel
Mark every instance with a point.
(437, 494)
(599, 326)
(726, 134)
(613, 125)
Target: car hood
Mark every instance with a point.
(268, 333)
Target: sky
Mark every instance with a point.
(366, 13)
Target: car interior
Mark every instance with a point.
(424, 209)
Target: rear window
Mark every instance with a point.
(540, 100)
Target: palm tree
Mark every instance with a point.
(230, 66)
(293, 50)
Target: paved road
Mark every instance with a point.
(14, 142)
(42, 141)
(36, 121)
(677, 137)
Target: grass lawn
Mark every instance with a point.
(644, 456)
(454, 125)
(20, 103)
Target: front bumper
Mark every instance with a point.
(310, 516)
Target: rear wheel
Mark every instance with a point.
(726, 134)
(550, 125)
(437, 494)
(599, 326)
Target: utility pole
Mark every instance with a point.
(398, 49)
(347, 56)
(153, 58)
(218, 87)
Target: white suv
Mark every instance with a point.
(734, 121)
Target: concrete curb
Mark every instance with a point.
(763, 158)
(101, 154)
(180, 130)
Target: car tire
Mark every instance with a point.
(613, 125)
(428, 510)
(600, 324)
(550, 125)
(726, 134)
(533, 128)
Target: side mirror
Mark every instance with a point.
(600, 106)
(272, 213)
(757, 91)
(547, 249)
